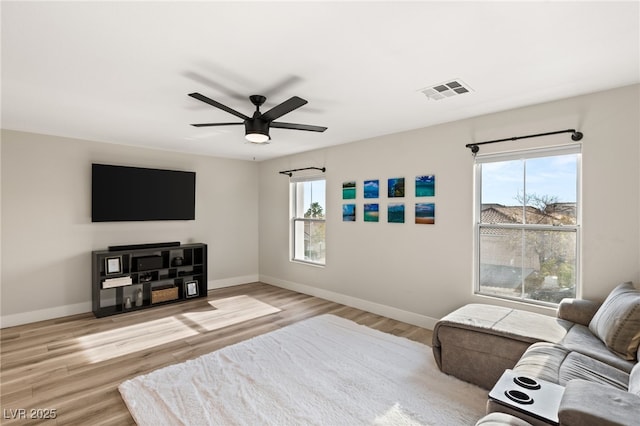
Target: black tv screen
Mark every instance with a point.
(121, 193)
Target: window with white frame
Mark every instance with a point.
(308, 212)
(527, 233)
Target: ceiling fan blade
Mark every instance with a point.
(214, 124)
(216, 104)
(282, 109)
(293, 126)
(198, 78)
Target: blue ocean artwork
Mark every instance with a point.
(395, 187)
(425, 213)
(425, 186)
(371, 188)
(349, 190)
(395, 213)
(371, 212)
(348, 212)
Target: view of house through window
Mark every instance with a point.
(528, 224)
(308, 220)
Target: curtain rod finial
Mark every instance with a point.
(576, 136)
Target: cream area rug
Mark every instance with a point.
(322, 371)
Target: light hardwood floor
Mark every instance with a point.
(75, 364)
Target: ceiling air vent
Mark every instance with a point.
(446, 90)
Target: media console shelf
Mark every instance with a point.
(139, 277)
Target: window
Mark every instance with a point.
(528, 224)
(308, 220)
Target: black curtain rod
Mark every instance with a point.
(576, 136)
(290, 172)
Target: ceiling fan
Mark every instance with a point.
(257, 127)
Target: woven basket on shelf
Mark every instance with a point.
(162, 295)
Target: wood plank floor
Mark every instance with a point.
(73, 365)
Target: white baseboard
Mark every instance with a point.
(229, 282)
(44, 314)
(376, 308)
(373, 307)
(81, 308)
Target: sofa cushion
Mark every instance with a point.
(580, 339)
(580, 311)
(617, 321)
(591, 404)
(542, 361)
(501, 419)
(579, 366)
(559, 365)
(500, 321)
(634, 380)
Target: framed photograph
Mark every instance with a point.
(113, 265)
(425, 186)
(426, 213)
(395, 187)
(372, 212)
(371, 188)
(395, 213)
(191, 288)
(349, 190)
(348, 212)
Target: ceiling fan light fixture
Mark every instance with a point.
(257, 137)
(256, 131)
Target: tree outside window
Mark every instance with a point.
(308, 222)
(528, 225)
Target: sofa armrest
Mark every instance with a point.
(579, 311)
(586, 403)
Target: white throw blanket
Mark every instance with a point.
(322, 371)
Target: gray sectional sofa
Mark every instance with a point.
(589, 348)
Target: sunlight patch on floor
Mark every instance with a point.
(229, 311)
(220, 313)
(396, 416)
(110, 344)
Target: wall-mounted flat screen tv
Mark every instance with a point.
(120, 193)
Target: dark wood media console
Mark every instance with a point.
(144, 276)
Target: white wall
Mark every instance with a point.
(418, 273)
(48, 236)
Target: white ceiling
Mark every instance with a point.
(120, 71)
